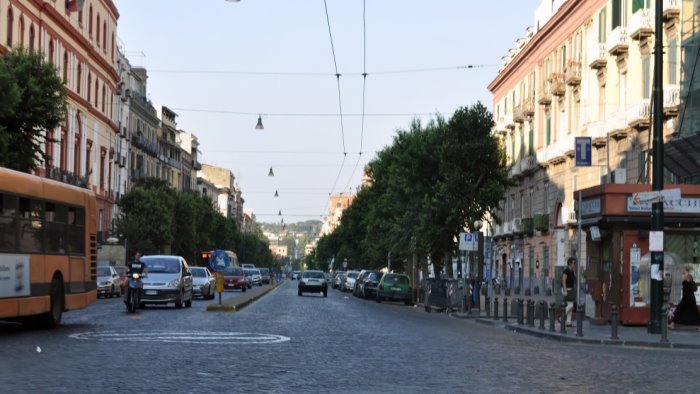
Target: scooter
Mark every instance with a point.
(133, 292)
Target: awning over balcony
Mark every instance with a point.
(682, 156)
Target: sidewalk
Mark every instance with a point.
(629, 336)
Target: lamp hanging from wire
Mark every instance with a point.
(271, 173)
(276, 194)
(280, 213)
(259, 126)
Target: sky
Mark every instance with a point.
(219, 65)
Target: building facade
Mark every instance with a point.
(584, 69)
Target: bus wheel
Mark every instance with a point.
(52, 318)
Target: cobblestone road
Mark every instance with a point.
(286, 343)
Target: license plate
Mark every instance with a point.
(151, 292)
(395, 289)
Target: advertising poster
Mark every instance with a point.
(635, 259)
(14, 275)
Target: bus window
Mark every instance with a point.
(76, 231)
(8, 222)
(55, 216)
(30, 225)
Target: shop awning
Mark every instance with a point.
(682, 156)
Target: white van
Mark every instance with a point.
(169, 279)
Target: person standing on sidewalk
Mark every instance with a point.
(568, 282)
(687, 311)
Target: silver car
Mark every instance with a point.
(109, 283)
(256, 277)
(203, 282)
(169, 279)
(349, 281)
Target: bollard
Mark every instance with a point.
(579, 320)
(543, 312)
(531, 313)
(505, 310)
(664, 327)
(487, 304)
(563, 318)
(495, 308)
(552, 307)
(613, 323)
(520, 311)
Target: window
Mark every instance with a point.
(51, 51)
(8, 222)
(601, 26)
(548, 128)
(646, 72)
(616, 14)
(10, 27)
(76, 145)
(65, 67)
(531, 142)
(80, 76)
(642, 160)
(104, 36)
(89, 90)
(32, 37)
(639, 4)
(90, 21)
(97, 30)
(672, 60)
(21, 31)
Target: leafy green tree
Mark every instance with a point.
(146, 219)
(33, 100)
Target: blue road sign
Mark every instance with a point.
(583, 151)
(218, 260)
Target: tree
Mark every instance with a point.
(33, 100)
(146, 219)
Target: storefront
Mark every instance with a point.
(617, 244)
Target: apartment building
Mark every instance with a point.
(585, 68)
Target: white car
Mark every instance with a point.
(348, 283)
(203, 282)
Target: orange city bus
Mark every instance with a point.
(48, 248)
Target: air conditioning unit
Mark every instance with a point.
(619, 175)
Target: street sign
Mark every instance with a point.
(583, 151)
(218, 260)
(469, 241)
(656, 196)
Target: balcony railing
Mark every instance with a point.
(672, 9)
(528, 106)
(672, 99)
(544, 96)
(518, 114)
(68, 177)
(573, 73)
(617, 41)
(617, 125)
(598, 55)
(640, 25)
(541, 222)
(528, 225)
(598, 132)
(515, 171)
(508, 121)
(558, 81)
(528, 165)
(638, 115)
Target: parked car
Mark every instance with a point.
(313, 281)
(121, 270)
(349, 279)
(234, 278)
(256, 277)
(169, 279)
(248, 265)
(265, 273)
(203, 282)
(358, 282)
(108, 282)
(338, 279)
(368, 288)
(394, 287)
(250, 280)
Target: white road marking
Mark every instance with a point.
(205, 337)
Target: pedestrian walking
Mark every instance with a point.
(686, 312)
(568, 283)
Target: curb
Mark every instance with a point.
(235, 304)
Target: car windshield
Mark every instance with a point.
(353, 275)
(264, 271)
(104, 271)
(121, 270)
(199, 272)
(314, 274)
(396, 279)
(233, 272)
(162, 265)
(373, 276)
(256, 272)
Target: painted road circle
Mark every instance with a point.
(204, 337)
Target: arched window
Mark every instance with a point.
(103, 98)
(90, 21)
(89, 85)
(112, 46)
(31, 37)
(80, 76)
(80, 17)
(51, 51)
(10, 27)
(21, 31)
(104, 36)
(65, 68)
(97, 30)
(97, 89)
(76, 144)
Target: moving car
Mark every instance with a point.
(394, 287)
(169, 279)
(234, 278)
(265, 273)
(108, 282)
(313, 281)
(256, 277)
(203, 282)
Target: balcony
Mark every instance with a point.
(509, 122)
(506, 229)
(68, 177)
(617, 41)
(518, 114)
(541, 222)
(617, 125)
(196, 165)
(573, 73)
(568, 145)
(500, 127)
(544, 96)
(568, 215)
(672, 99)
(598, 132)
(528, 106)
(598, 56)
(638, 115)
(672, 9)
(558, 84)
(641, 25)
(528, 226)
(555, 153)
(515, 171)
(528, 165)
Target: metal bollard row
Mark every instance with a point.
(495, 308)
(613, 323)
(520, 311)
(505, 309)
(664, 327)
(552, 307)
(579, 320)
(562, 319)
(530, 313)
(543, 313)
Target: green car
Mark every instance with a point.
(394, 287)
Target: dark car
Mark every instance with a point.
(368, 288)
(234, 278)
(313, 282)
(358, 282)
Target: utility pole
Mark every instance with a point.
(657, 209)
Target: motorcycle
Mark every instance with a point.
(133, 292)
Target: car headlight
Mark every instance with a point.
(175, 283)
(108, 283)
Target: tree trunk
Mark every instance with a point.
(447, 260)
